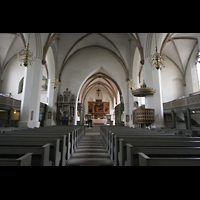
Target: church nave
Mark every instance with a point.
(91, 150)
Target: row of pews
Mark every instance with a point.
(156, 147)
(43, 146)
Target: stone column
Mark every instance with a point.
(30, 104)
(198, 35)
(10, 117)
(173, 119)
(153, 79)
(51, 95)
(130, 100)
(130, 97)
(189, 124)
(81, 110)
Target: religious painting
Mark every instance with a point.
(106, 107)
(98, 107)
(90, 107)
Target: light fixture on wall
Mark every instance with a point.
(55, 83)
(142, 91)
(26, 56)
(157, 60)
(131, 84)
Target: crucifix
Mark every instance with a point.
(98, 91)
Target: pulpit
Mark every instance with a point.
(144, 116)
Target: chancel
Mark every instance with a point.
(111, 99)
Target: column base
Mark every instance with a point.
(29, 124)
(49, 122)
(159, 126)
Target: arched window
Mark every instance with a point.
(198, 68)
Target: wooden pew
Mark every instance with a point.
(45, 135)
(7, 129)
(108, 134)
(119, 155)
(132, 156)
(55, 154)
(24, 160)
(114, 141)
(68, 146)
(144, 135)
(76, 133)
(145, 160)
(127, 139)
(40, 155)
(65, 143)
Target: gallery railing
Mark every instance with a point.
(8, 102)
(191, 102)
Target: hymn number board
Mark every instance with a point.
(98, 107)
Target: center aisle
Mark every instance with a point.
(91, 151)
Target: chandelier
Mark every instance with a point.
(157, 60)
(26, 56)
(142, 91)
(55, 83)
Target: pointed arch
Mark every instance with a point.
(88, 85)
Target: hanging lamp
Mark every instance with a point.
(26, 56)
(55, 83)
(157, 60)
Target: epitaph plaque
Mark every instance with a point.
(66, 108)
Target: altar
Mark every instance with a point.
(98, 112)
(99, 121)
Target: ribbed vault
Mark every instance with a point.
(100, 79)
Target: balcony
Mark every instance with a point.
(8, 103)
(192, 102)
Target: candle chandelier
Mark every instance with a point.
(142, 91)
(26, 56)
(157, 60)
(55, 83)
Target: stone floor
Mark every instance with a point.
(91, 151)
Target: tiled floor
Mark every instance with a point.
(91, 150)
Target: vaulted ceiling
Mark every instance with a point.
(70, 43)
(10, 45)
(178, 48)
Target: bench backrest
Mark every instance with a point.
(44, 151)
(145, 160)
(24, 160)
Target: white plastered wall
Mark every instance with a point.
(172, 80)
(191, 74)
(11, 78)
(172, 86)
